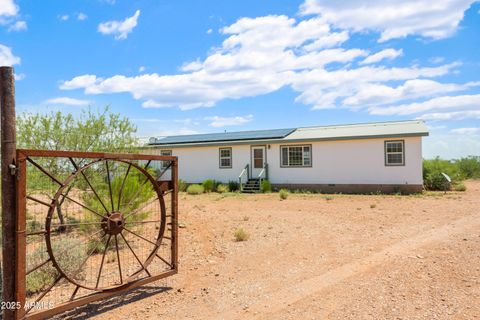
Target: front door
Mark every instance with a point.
(257, 160)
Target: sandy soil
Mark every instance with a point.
(318, 257)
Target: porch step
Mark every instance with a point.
(252, 186)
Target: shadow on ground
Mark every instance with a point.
(109, 304)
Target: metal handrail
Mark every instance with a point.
(263, 175)
(245, 170)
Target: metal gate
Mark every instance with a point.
(91, 225)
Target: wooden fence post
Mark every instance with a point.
(8, 150)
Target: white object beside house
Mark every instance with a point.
(355, 158)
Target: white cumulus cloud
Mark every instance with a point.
(68, 101)
(80, 82)
(456, 115)
(120, 29)
(467, 131)
(19, 76)
(381, 55)
(471, 101)
(82, 16)
(8, 8)
(7, 58)
(217, 121)
(392, 18)
(18, 26)
(264, 54)
(381, 94)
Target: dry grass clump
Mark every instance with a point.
(195, 189)
(241, 235)
(283, 193)
(222, 188)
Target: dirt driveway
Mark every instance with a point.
(319, 257)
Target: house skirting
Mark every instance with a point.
(354, 188)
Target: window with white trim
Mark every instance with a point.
(395, 153)
(165, 153)
(296, 156)
(225, 158)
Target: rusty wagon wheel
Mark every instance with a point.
(106, 225)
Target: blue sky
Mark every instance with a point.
(178, 67)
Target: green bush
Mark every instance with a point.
(135, 194)
(241, 235)
(209, 185)
(457, 170)
(222, 188)
(469, 167)
(233, 186)
(438, 165)
(432, 173)
(436, 181)
(283, 193)
(33, 225)
(182, 185)
(195, 189)
(95, 246)
(70, 254)
(266, 186)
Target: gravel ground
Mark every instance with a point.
(318, 257)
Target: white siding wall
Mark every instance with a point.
(350, 162)
(198, 164)
(333, 162)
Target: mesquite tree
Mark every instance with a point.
(90, 131)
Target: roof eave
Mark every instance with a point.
(283, 140)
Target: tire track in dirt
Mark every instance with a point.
(281, 299)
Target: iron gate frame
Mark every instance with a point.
(21, 235)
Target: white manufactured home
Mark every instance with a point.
(355, 158)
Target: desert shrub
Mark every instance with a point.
(95, 246)
(233, 186)
(135, 193)
(208, 185)
(469, 167)
(182, 185)
(438, 165)
(283, 193)
(222, 188)
(436, 181)
(69, 255)
(195, 189)
(432, 173)
(460, 186)
(457, 170)
(266, 186)
(33, 225)
(241, 235)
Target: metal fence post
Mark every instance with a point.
(8, 149)
(174, 199)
